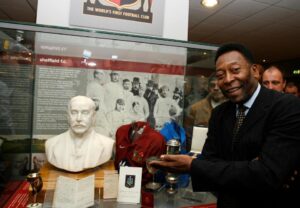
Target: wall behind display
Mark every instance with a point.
(173, 14)
(59, 78)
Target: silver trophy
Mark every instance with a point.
(172, 180)
(173, 148)
(36, 183)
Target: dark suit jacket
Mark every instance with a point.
(261, 171)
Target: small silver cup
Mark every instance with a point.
(36, 183)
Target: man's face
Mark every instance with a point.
(81, 116)
(148, 87)
(114, 77)
(141, 91)
(201, 84)
(135, 85)
(236, 77)
(120, 107)
(292, 90)
(126, 85)
(137, 107)
(164, 92)
(215, 92)
(99, 75)
(176, 96)
(272, 79)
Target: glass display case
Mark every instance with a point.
(43, 67)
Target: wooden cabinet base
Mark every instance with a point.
(50, 174)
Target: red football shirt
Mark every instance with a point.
(136, 151)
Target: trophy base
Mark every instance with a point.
(153, 186)
(171, 191)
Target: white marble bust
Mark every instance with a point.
(80, 147)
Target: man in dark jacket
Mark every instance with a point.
(253, 162)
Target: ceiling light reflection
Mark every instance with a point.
(209, 3)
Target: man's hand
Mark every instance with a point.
(173, 163)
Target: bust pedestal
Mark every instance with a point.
(49, 174)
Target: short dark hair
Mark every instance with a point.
(136, 80)
(120, 101)
(162, 88)
(135, 103)
(97, 71)
(228, 47)
(126, 80)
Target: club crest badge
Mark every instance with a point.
(138, 156)
(121, 4)
(130, 181)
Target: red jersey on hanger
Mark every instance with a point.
(132, 150)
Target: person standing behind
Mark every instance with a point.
(273, 79)
(164, 104)
(252, 162)
(135, 85)
(151, 95)
(101, 124)
(178, 97)
(127, 94)
(113, 91)
(292, 88)
(198, 91)
(117, 117)
(143, 104)
(135, 114)
(200, 112)
(95, 88)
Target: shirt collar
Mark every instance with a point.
(250, 102)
